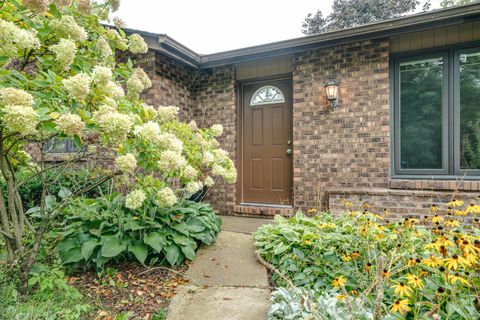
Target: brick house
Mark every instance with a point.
(402, 133)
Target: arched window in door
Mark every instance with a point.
(267, 95)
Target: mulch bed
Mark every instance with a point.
(130, 287)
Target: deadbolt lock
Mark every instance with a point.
(289, 151)
(289, 142)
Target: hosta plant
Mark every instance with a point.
(98, 230)
(412, 268)
(59, 79)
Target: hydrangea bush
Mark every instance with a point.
(59, 79)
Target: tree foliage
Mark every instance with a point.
(351, 13)
(59, 78)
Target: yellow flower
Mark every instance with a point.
(460, 213)
(307, 242)
(467, 247)
(347, 204)
(452, 223)
(473, 209)
(437, 218)
(456, 278)
(400, 306)
(411, 262)
(444, 241)
(455, 203)
(341, 297)
(471, 258)
(312, 211)
(432, 262)
(346, 257)
(414, 281)
(402, 290)
(339, 282)
(385, 274)
(355, 254)
(434, 208)
(455, 260)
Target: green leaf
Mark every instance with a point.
(64, 193)
(139, 250)
(156, 240)
(133, 225)
(188, 251)
(181, 227)
(112, 247)
(88, 247)
(69, 252)
(195, 224)
(172, 254)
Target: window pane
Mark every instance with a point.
(470, 111)
(421, 90)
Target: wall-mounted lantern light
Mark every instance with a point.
(331, 87)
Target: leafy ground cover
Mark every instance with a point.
(357, 266)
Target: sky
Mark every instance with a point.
(209, 26)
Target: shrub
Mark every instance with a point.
(102, 229)
(423, 269)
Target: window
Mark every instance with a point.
(437, 113)
(267, 95)
(65, 145)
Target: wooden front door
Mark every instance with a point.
(267, 142)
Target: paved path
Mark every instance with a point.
(226, 280)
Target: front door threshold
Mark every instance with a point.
(262, 210)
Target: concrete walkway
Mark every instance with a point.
(226, 280)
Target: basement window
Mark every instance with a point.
(65, 145)
(437, 113)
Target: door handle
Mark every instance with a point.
(289, 142)
(289, 151)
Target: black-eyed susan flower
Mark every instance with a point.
(346, 257)
(434, 208)
(385, 274)
(339, 282)
(460, 213)
(467, 247)
(353, 292)
(432, 261)
(355, 255)
(414, 281)
(341, 297)
(401, 289)
(451, 223)
(312, 211)
(473, 209)
(400, 306)
(368, 267)
(455, 203)
(347, 204)
(454, 261)
(411, 262)
(471, 258)
(457, 278)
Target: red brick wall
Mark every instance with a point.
(349, 147)
(214, 102)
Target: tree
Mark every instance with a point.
(59, 78)
(351, 13)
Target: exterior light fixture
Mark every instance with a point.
(331, 87)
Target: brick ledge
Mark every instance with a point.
(261, 211)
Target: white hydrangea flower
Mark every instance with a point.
(15, 97)
(126, 163)
(214, 143)
(70, 124)
(114, 4)
(166, 198)
(193, 125)
(14, 39)
(102, 75)
(118, 41)
(207, 158)
(170, 161)
(113, 90)
(190, 172)
(135, 199)
(22, 119)
(67, 27)
(220, 155)
(200, 140)
(136, 44)
(167, 113)
(209, 182)
(119, 23)
(138, 82)
(217, 130)
(193, 187)
(149, 111)
(170, 142)
(78, 86)
(114, 125)
(104, 47)
(228, 174)
(149, 132)
(38, 6)
(65, 51)
(63, 3)
(84, 6)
